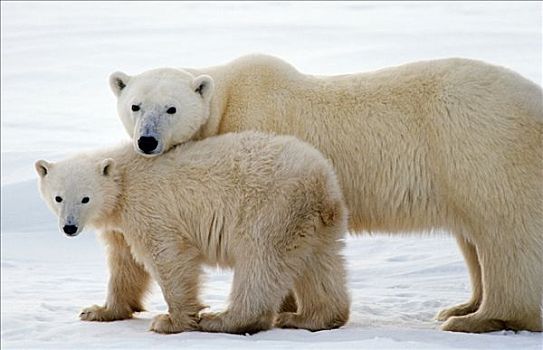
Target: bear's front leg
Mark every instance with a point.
(178, 274)
(127, 285)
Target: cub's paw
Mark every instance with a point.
(457, 310)
(225, 322)
(313, 323)
(165, 324)
(103, 314)
(212, 322)
(285, 320)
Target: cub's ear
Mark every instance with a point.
(42, 167)
(117, 82)
(203, 85)
(107, 166)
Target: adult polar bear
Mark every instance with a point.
(449, 144)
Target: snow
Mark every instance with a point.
(56, 57)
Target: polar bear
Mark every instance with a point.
(270, 207)
(451, 144)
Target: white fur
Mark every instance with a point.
(450, 144)
(156, 91)
(268, 206)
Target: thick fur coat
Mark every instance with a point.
(269, 207)
(451, 144)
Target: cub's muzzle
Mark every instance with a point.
(70, 230)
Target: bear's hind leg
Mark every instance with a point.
(127, 284)
(512, 275)
(472, 261)
(261, 282)
(323, 300)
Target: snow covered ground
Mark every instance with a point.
(56, 58)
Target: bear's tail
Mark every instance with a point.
(332, 206)
(332, 213)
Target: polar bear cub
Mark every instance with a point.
(267, 206)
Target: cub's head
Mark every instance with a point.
(78, 191)
(161, 108)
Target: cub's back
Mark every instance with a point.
(230, 168)
(240, 159)
(238, 176)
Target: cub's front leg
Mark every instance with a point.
(178, 270)
(128, 283)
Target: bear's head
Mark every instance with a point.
(79, 191)
(162, 108)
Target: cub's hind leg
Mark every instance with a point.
(323, 300)
(261, 282)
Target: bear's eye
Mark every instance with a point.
(135, 108)
(85, 200)
(58, 199)
(171, 110)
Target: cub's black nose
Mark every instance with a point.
(69, 229)
(147, 144)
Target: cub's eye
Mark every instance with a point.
(171, 110)
(85, 200)
(58, 199)
(135, 108)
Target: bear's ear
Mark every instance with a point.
(117, 82)
(203, 85)
(107, 166)
(42, 167)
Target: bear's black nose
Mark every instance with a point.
(147, 144)
(69, 229)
